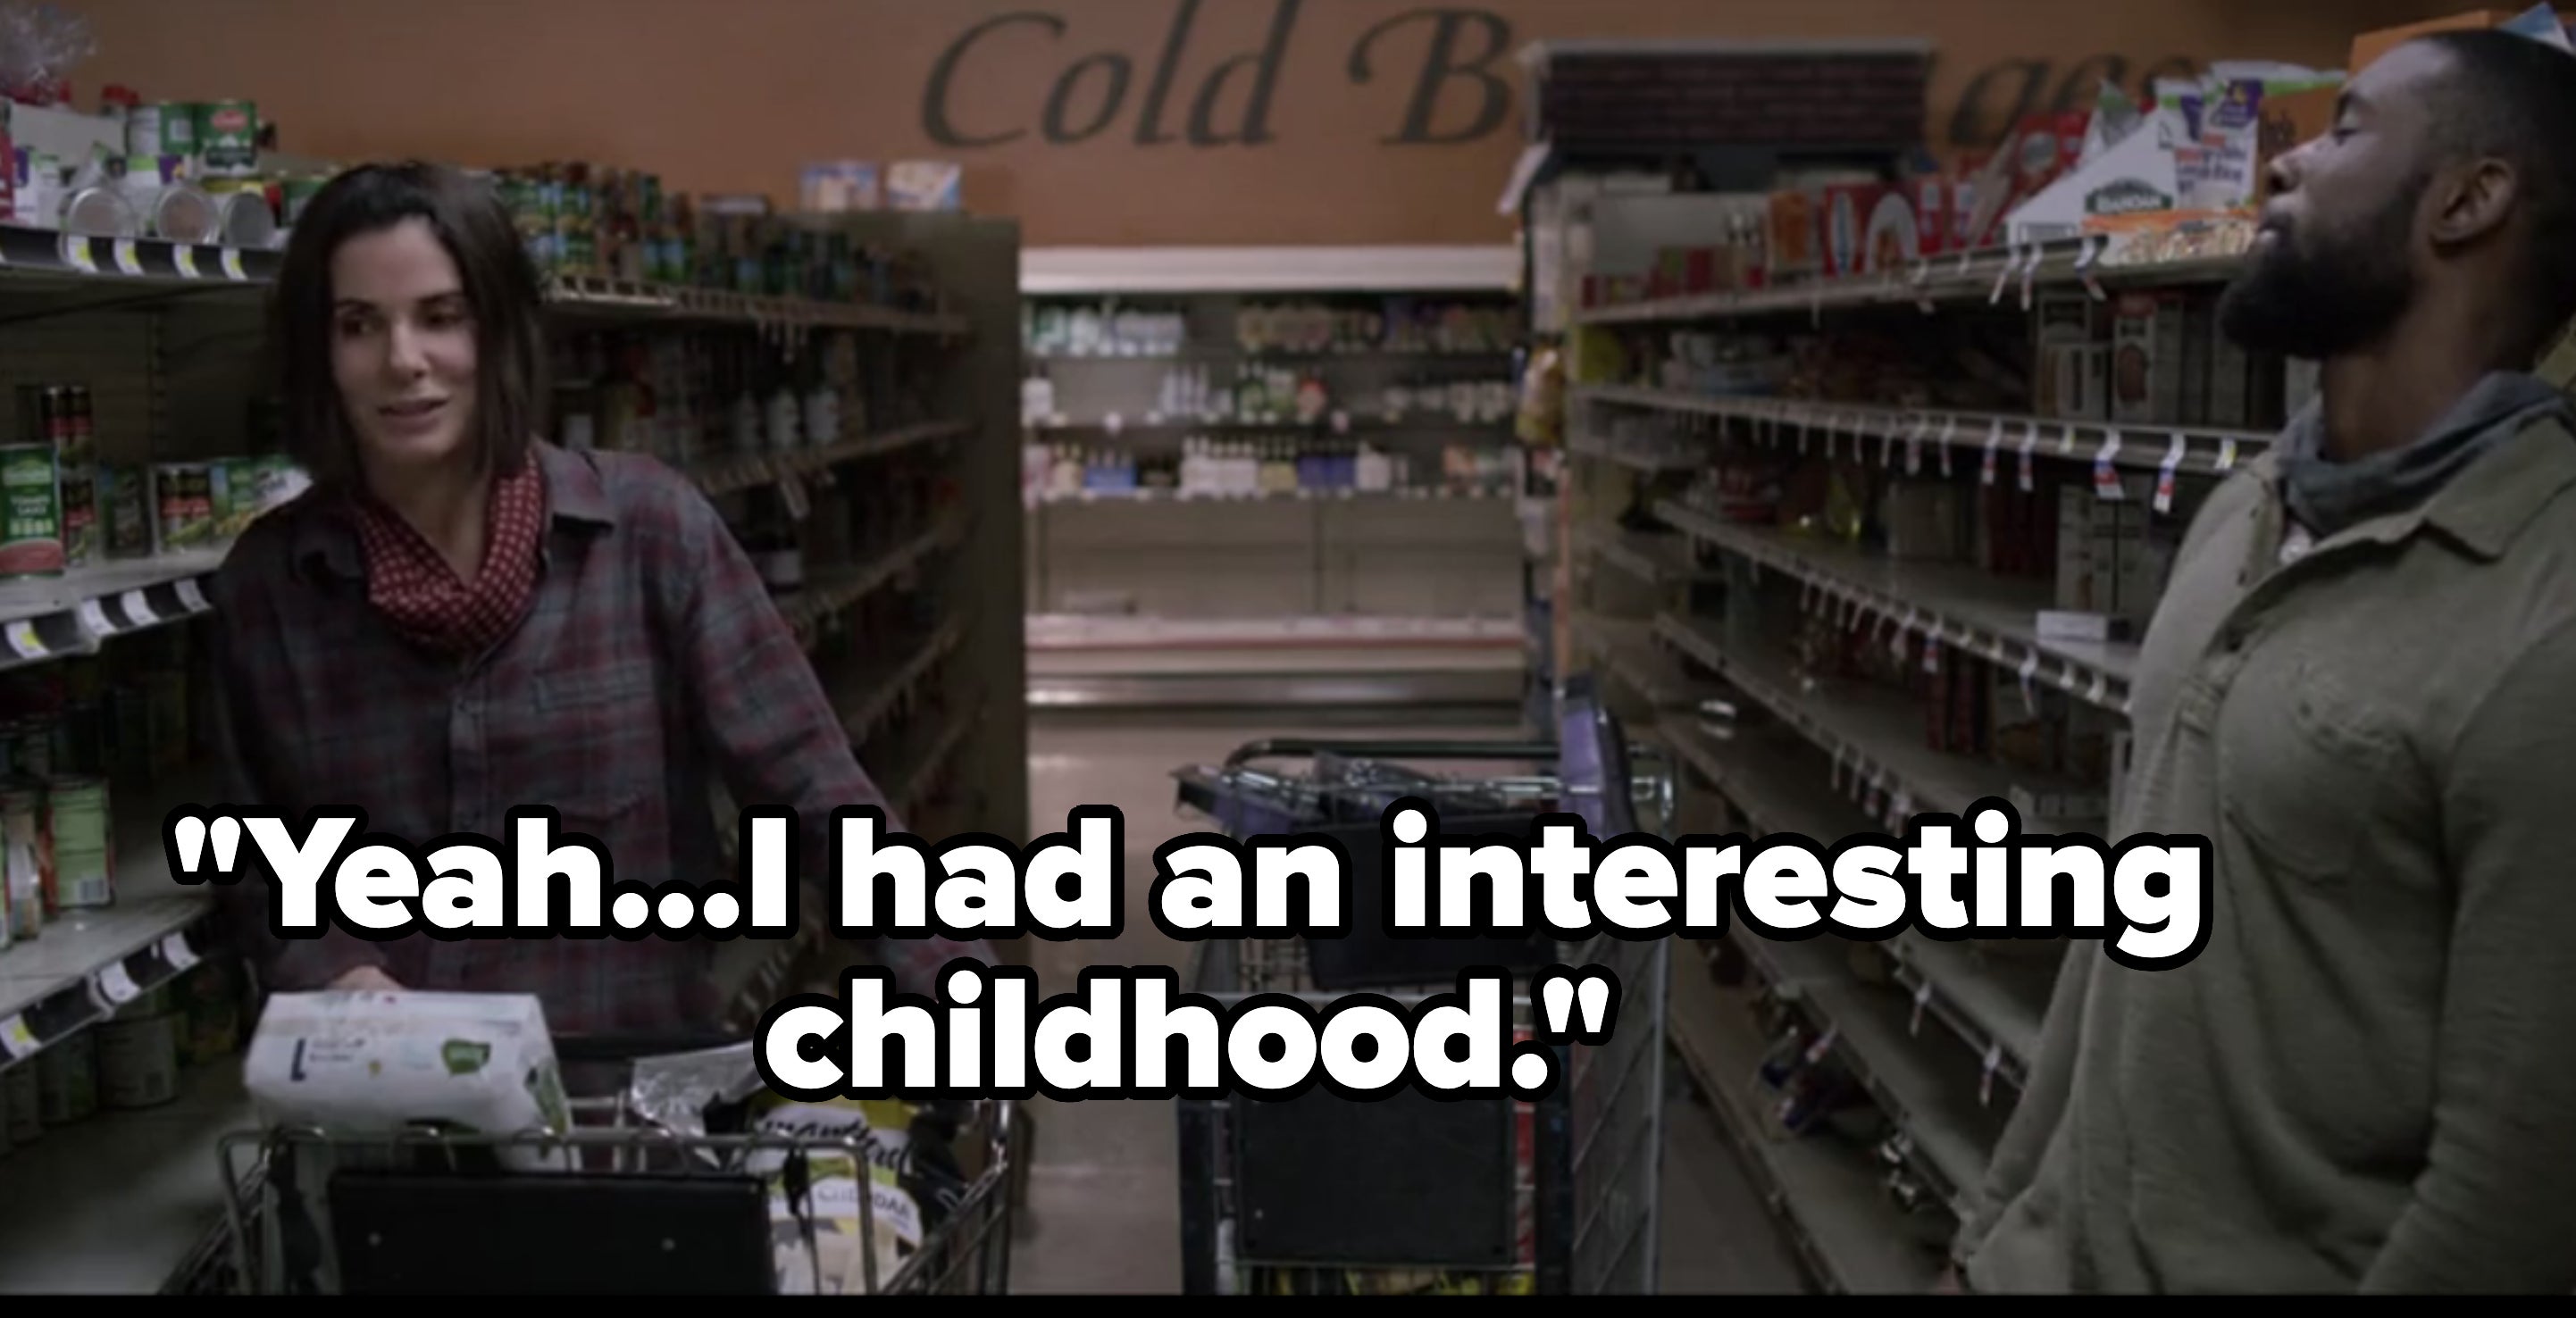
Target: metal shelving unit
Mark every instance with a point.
(164, 334)
(1940, 1034)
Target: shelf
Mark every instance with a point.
(833, 589)
(117, 1203)
(923, 770)
(1933, 1095)
(1425, 494)
(1061, 632)
(2205, 450)
(1832, 1197)
(1654, 559)
(83, 963)
(1989, 274)
(1994, 618)
(1985, 1002)
(44, 618)
(728, 473)
(1654, 457)
(1215, 352)
(1284, 426)
(626, 300)
(150, 267)
(1629, 651)
(877, 693)
(1878, 733)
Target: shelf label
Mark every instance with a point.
(15, 1038)
(2066, 442)
(137, 607)
(1914, 445)
(129, 261)
(186, 255)
(2106, 477)
(1900, 810)
(1922, 999)
(2099, 691)
(175, 950)
(232, 263)
(93, 615)
(77, 255)
(2003, 277)
(23, 639)
(189, 595)
(2227, 454)
(1986, 1081)
(1932, 653)
(117, 986)
(2029, 446)
(1994, 443)
(1949, 435)
(2029, 693)
(2030, 274)
(2165, 473)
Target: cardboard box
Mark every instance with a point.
(2146, 358)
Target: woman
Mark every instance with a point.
(459, 618)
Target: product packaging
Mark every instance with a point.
(925, 185)
(839, 186)
(375, 1063)
(2146, 359)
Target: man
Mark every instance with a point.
(2361, 688)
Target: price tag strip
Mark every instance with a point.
(2174, 450)
(1986, 1079)
(2003, 277)
(129, 260)
(93, 615)
(2029, 448)
(77, 254)
(2084, 259)
(1994, 443)
(191, 596)
(1949, 434)
(2029, 690)
(2030, 274)
(1922, 999)
(2106, 477)
(1914, 445)
(16, 1039)
(2227, 454)
(24, 641)
(2066, 442)
(175, 950)
(185, 255)
(116, 987)
(137, 608)
(232, 263)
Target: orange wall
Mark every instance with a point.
(733, 95)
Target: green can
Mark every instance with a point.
(31, 501)
(167, 129)
(125, 509)
(184, 504)
(228, 139)
(76, 817)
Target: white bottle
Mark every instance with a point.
(1375, 475)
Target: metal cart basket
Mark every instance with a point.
(1321, 1194)
(615, 1206)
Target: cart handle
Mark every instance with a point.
(1285, 748)
(631, 1047)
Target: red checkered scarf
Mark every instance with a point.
(411, 584)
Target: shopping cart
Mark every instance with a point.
(621, 1205)
(1321, 1194)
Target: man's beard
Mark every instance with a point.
(2314, 294)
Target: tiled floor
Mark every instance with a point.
(1103, 1186)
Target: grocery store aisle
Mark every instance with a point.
(1103, 1213)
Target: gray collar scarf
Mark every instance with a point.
(2328, 496)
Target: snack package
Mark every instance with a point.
(381, 1062)
(902, 1155)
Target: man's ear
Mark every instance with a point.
(2476, 199)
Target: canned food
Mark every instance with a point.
(184, 505)
(22, 851)
(31, 544)
(76, 814)
(125, 511)
(228, 139)
(26, 1103)
(67, 1080)
(138, 1060)
(245, 488)
(246, 219)
(185, 214)
(78, 438)
(80, 514)
(31, 750)
(101, 212)
(166, 129)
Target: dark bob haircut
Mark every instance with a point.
(500, 286)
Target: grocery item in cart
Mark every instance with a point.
(375, 1063)
(819, 1250)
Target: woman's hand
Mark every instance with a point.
(365, 979)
